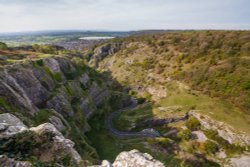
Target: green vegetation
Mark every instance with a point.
(229, 148)
(3, 46)
(56, 76)
(210, 147)
(108, 147)
(44, 49)
(42, 116)
(193, 124)
(127, 121)
(23, 144)
(184, 134)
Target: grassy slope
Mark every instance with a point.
(216, 63)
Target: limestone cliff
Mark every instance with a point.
(60, 90)
(23, 146)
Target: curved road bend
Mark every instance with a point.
(120, 134)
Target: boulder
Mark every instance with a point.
(199, 136)
(10, 125)
(135, 158)
(243, 161)
(84, 79)
(132, 158)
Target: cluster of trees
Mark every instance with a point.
(217, 61)
(3, 46)
(44, 49)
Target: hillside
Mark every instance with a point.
(213, 62)
(181, 96)
(205, 72)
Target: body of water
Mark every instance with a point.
(95, 38)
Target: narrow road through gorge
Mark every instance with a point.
(152, 134)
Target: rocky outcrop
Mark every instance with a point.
(10, 125)
(98, 94)
(44, 142)
(54, 83)
(242, 161)
(61, 146)
(103, 51)
(132, 158)
(10, 162)
(224, 130)
(57, 89)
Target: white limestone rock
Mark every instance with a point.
(10, 125)
(135, 158)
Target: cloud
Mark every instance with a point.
(20, 15)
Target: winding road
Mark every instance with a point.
(117, 133)
(151, 134)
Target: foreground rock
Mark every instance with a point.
(133, 158)
(43, 142)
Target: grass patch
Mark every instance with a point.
(127, 119)
(42, 116)
(217, 109)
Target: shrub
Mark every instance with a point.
(193, 123)
(132, 93)
(163, 141)
(3, 46)
(44, 49)
(147, 96)
(42, 116)
(229, 148)
(184, 134)
(39, 62)
(210, 147)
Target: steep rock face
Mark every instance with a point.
(29, 87)
(131, 159)
(43, 141)
(103, 51)
(44, 90)
(27, 80)
(97, 93)
(12, 92)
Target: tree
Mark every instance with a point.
(3, 46)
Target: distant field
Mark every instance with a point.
(17, 39)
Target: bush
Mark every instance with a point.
(44, 49)
(39, 62)
(3, 46)
(162, 141)
(42, 116)
(193, 124)
(184, 134)
(132, 93)
(147, 96)
(210, 147)
(229, 148)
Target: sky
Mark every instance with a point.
(123, 15)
